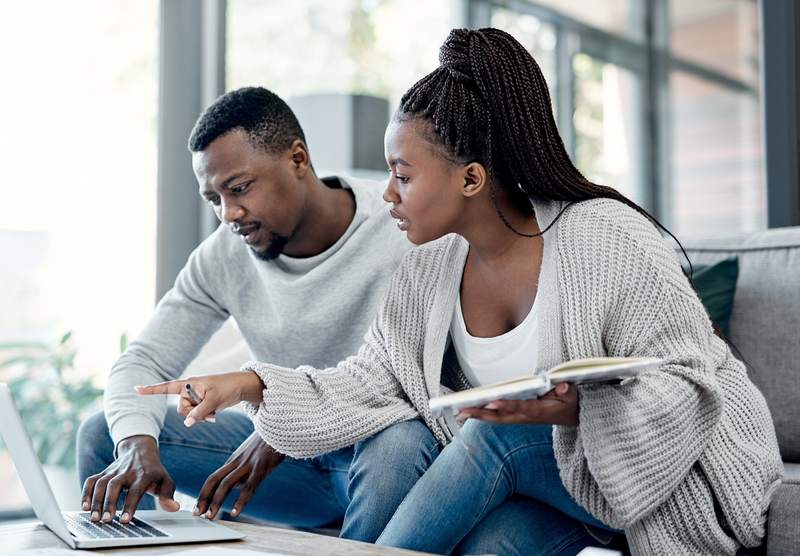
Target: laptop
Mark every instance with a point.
(75, 528)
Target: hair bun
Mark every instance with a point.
(454, 55)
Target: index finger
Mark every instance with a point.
(170, 387)
(88, 491)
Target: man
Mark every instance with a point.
(301, 264)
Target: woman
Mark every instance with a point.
(526, 264)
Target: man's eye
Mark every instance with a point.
(240, 188)
(213, 200)
(403, 179)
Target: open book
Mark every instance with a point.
(577, 371)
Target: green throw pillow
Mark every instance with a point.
(715, 285)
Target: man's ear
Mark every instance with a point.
(475, 179)
(298, 154)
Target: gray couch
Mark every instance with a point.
(765, 326)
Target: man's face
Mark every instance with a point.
(258, 194)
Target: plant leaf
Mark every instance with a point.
(23, 345)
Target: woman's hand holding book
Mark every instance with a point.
(558, 407)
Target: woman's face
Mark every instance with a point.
(424, 188)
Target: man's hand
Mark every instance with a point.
(138, 470)
(558, 407)
(245, 469)
(216, 392)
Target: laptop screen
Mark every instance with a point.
(28, 467)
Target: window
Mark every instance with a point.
(716, 157)
(659, 99)
(607, 142)
(721, 35)
(621, 17)
(716, 126)
(376, 47)
(79, 186)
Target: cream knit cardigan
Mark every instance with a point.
(653, 456)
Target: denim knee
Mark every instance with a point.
(409, 445)
(483, 437)
(384, 469)
(95, 449)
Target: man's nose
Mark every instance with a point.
(231, 212)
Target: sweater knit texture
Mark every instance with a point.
(684, 459)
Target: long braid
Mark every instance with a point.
(488, 102)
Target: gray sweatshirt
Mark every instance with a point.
(291, 311)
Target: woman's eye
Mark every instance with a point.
(213, 200)
(398, 177)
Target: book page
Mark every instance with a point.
(578, 371)
(521, 388)
(576, 366)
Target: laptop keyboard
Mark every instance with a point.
(81, 526)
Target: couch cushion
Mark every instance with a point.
(715, 284)
(791, 473)
(765, 321)
(783, 525)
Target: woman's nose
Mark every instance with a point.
(390, 194)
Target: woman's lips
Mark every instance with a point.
(402, 222)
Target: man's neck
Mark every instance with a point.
(328, 213)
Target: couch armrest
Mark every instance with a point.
(783, 524)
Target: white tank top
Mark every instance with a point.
(488, 360)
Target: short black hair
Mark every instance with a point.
(268, 121)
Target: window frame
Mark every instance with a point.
(652, 61)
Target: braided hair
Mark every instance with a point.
(488, 102)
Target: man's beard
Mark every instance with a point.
(276, 246)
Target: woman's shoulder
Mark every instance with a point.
(608, 231)
(603, 220)
(604, 210)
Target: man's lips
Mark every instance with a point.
(249, 233)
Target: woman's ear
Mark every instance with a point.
(475, 179)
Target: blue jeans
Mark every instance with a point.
(494, 489)
(359, 487)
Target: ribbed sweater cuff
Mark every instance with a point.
(262, 371)
(133, 425)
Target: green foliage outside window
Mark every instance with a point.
(52, 397)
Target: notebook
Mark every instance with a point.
(577, 371)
